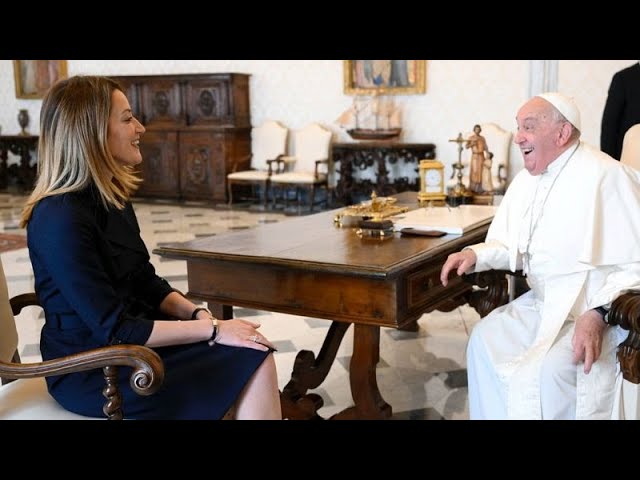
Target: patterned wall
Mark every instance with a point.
(460, 93)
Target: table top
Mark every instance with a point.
(314, 242)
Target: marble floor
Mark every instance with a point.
(421, 374)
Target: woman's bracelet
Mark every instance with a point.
(214, 322)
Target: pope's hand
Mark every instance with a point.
(587, 338)
(462, 261)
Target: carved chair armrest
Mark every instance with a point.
(492, 289)
(146, 376)
(318, 163)
(279, 164)
(502, 172)
(625, 311)
(284, 161)
(145, 379)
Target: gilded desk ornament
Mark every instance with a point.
(378, 208)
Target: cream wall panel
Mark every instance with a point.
(587, 81)
(460, 93)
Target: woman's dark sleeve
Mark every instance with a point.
(151, 287)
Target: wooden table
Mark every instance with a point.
(309, 267)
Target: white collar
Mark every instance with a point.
(555, 166)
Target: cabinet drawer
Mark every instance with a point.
(423, 286)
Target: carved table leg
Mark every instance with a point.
(223, 312)
(308, 373)
(369, 404)
(410, 326)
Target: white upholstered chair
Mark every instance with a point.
(268, 144)
(308, 168)
(24, 395)
(499, 145)
(631, 147)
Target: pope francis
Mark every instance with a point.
(570, 220)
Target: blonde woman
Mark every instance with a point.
(97, 286)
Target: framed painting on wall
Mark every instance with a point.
(384, 77)
(34, 77)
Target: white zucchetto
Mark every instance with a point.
(565, 105)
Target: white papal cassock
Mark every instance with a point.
(576, 229)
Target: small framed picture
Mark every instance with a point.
(384, 77)
(34, 77)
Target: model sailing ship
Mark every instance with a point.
(375, 118)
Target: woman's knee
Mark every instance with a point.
(268, 368)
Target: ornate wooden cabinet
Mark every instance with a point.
(198, 126)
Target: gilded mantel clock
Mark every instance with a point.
(431, 181)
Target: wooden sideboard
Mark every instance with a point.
(23, 174)
(198, 126)
(379, 156)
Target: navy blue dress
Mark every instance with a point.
(97, 287)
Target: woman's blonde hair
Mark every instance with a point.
(72, 148)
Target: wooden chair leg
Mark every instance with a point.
(265, 187)
(229, 192)
(312, 197)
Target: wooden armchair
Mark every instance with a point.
(24, 395)
(492, 291)
(268, 145)
(309, 166)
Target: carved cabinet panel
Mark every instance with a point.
(197, 125)
(199, 155)
(205, 159)
(159, 167)
(161, 104)
(208, 102)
